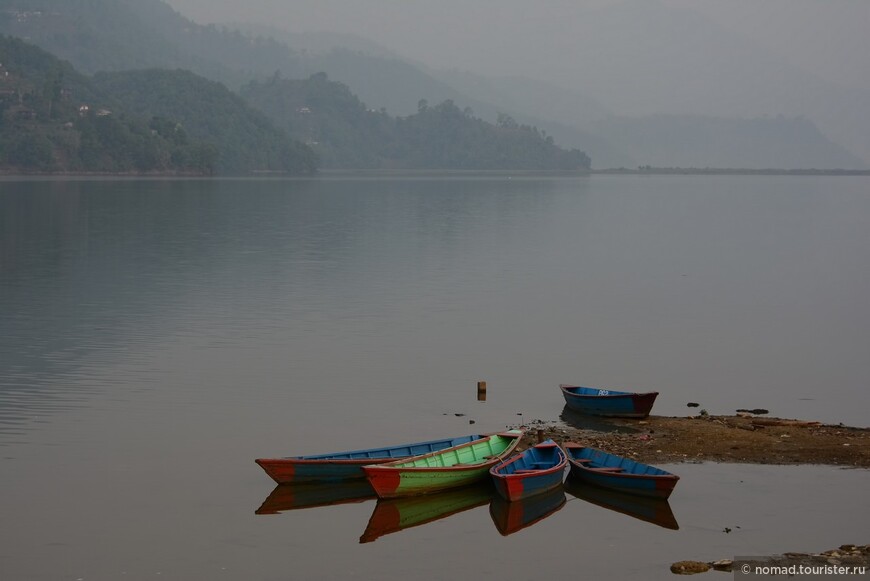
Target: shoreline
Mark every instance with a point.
(423, 172)
(647, 170)
(747, 439)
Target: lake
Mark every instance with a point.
(158, 335)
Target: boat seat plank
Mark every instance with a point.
(608, 469)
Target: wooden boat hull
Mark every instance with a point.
(341, 466)
(511, 517)
(397, 514)
(537, 470)
(603, 402)
(618, 473)
(451, 468)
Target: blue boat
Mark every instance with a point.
(340, 466)
(618, 473)
(534, 471)
(606, 402)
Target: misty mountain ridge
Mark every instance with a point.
(346, 134)
(160, 121)
(53, 119)
(123, 34)
(575, 119)
(705, 142)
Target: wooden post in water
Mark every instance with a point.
(481, 391)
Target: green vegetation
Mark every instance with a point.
(160, 76)
(56, 120)
(245, 140)
(346, 134)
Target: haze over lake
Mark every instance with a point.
(158, 335)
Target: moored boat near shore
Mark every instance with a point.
(536, 470)
(618, 473)
(442, 470)
(606, 402)
(338, 466)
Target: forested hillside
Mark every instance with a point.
(118, 35)
(52, 119)
(245, 139)
(346, 134)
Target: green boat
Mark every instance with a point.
(442, 470)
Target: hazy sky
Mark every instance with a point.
(727, 58)
(829, 38)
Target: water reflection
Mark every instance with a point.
(511, 517)
(394, 515)
(651, 510)
(398, 514)
(94, 273)
(286, 497)
(597, 423)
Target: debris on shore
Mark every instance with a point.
(741, 439)
(844, 556)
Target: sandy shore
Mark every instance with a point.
(740, 438)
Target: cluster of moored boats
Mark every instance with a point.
(439, 465)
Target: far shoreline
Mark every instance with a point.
(435, 173)
(649, 170)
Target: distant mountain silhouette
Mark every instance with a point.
(116, 35)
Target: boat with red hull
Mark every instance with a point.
(618, 473)
(536, 470)
(607, 402)
(340, 466)
(450, 468)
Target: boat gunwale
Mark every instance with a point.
(332, 457)
(485, 464)
(619, 394)
(575, 464)
(561, 465)
(298, 460)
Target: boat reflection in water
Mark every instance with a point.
(510, 517)
(595, 423)
(311, 495)
(397, 514)
(653, 510)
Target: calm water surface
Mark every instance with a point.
(157, 336)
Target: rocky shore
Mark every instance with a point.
(831, 562)
(743, 438)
